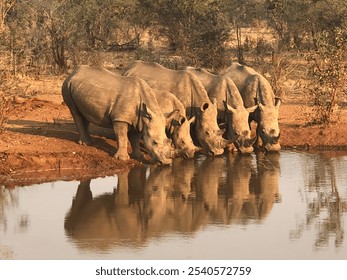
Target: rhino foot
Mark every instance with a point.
(121, 156)
(85, 142)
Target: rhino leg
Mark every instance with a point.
(135, 146)
(82, 125)
(121, 130)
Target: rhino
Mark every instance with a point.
(189, 90)
(231, 109)
(126, 104)
(256, 90)
(178, 125)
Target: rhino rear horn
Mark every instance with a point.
(229, 108)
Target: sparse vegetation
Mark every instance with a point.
(49, 37)
(328, 74)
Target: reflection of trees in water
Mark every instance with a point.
(179, 199)
(325, 205)
(8, 198)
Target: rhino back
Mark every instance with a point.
(103, 97)
(185, 86)
(168, 102)
(250, 84)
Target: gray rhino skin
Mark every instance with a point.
(177, 126)
(95, 95)
(189, 90)
(231, 109)
(256, 90)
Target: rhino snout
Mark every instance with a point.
(164, 161)
(273, 147)
(188, 153)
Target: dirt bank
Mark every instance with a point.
(39, 143)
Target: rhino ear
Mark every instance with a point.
(172, 116)
(181, 119)
(204, 106)
(278, 102)
(147, 112)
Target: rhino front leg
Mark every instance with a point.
(121, 130)
(135, 138)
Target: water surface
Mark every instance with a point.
(276, 206)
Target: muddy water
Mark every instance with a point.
(281, 206)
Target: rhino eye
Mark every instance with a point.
(207, 132)
(155, 143)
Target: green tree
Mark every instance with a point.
(197, 29)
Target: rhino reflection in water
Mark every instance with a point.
(181, 198)
(138, 210)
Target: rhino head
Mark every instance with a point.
(268, 128)
(154, 137)
(207, 130)
(179, 130)
(238, 127)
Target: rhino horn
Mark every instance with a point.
(276, 139)
(214, 101)
(221, 132)
(191, 120)
(252, 109)
(229, 108)
(226, 142)
(250, 142)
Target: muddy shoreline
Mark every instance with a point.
(39, 143)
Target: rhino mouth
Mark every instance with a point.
(272, 147)
(245, 145)
(271, 143)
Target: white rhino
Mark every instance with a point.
(231, 109)
(256, 90)
(95, 95)
(178, 126)
(189, 90)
